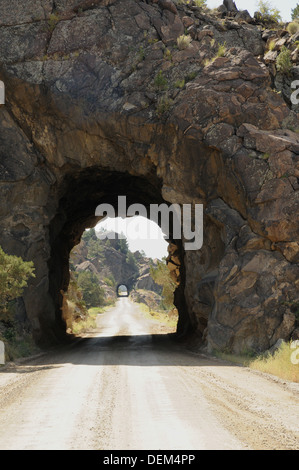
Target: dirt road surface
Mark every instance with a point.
(129, 387)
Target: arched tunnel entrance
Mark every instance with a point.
(82, 192)
(122, 290)
(216, 286)
(92, 122)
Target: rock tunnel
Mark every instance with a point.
(89, 117)
(82, 193)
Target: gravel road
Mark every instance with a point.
(128, 386)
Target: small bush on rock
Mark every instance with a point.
(184, 41)
(293, 27)
(283, 62)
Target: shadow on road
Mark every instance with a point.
(137, 350)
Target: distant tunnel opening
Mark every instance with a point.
(122, 291)
(82, 192)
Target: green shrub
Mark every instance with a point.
(14, 276)
(163, 105)
(190, 76)
(53, 20)
(265, 156)
(167, 54)
(184, 41)
(268, 12)
(179, 83)
(160, 81)
(110, 281)
(93, 294)
(221, 50)
(207, 62)
(200, 3)
(197, 3)
(161, 275)
(293, 27)
(131, 262)
(283, 62)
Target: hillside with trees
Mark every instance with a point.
(98, 266)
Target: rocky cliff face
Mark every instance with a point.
(102, 101)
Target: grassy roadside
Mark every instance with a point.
(89, 323)
(18, 347)
(167, 318)
(282, 363)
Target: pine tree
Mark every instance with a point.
(295, 12)
(93, 293)
(268, 12)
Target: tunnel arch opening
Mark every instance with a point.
(122, 290)
(81, 193)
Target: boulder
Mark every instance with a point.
(230, 5)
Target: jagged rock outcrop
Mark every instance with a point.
(145, 280)
(149, 298)
(100, 102)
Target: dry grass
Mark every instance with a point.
(221, 50)
(184, 41)
(19, 347)
(90, 321)
(167, 318)
(82, 326)
(280, 364)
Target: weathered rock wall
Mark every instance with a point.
(102, 102)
